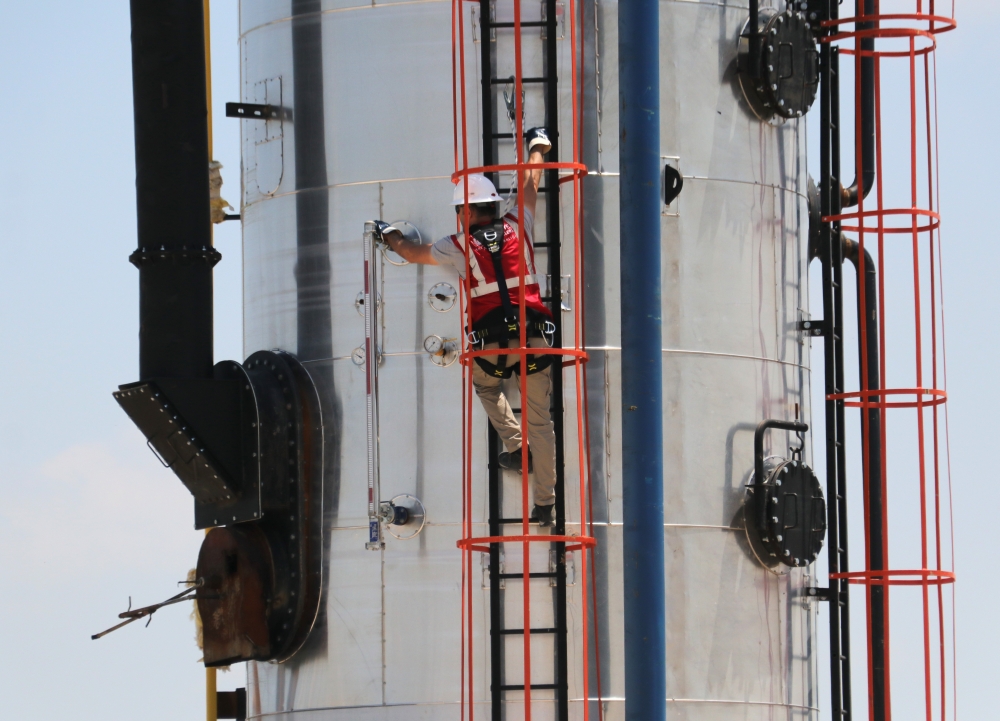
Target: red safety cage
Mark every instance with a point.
(899, 223)
(570, 357)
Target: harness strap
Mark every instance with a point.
(536, 364)
(536, 329)
(492, 238)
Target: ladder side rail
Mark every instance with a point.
(829, 194)
(488, 69)
(836, 331)
(497, 625)
(554, 248)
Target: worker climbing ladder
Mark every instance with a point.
(526, 671)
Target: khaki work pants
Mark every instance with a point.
(541, 433)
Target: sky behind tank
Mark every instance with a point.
(87, 518)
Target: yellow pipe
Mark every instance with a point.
(211, 695)
(211, 698)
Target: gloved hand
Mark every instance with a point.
(383, 229)
(538, 137)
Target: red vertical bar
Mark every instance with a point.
(881, 234)
(919, 371)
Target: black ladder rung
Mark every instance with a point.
(519, 631)
(534, 686)
(528, 24)
(539, 574)
(542, 245)
(504, 81)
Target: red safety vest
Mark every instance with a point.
(485, 290)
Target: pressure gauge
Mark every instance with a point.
(443, 351)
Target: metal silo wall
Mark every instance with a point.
(387, 643)
(740, 640)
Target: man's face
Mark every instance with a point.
(473, 215)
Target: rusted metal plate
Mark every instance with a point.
(235, 563)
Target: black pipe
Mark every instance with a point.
(175, 255)
(866, 173)
(754, 39)
(868, 360)
(759, 479)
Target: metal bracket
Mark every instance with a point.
(231, 704)
(820, 594)
(257, 111)
(812, 327)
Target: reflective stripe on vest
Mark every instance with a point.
(512, 285)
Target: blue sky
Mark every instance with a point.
(87, 518)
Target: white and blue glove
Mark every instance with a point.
(538, 137)
(382, 229)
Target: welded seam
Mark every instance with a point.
(682, 351)
(297, 191)
(331, 11)
(575, 700)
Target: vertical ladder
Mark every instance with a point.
(832, 259)
(547, 242)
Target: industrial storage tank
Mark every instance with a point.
(368, 130)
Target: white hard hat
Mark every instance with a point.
(481, 190)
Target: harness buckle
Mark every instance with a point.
(473, 337)
(549, 328)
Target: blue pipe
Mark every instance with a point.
(642, 365)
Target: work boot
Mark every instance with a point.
(512, 461)
(543, 516)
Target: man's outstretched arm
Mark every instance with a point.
(408, 250)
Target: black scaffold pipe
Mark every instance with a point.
(864, 177)
(759, 477)
(175, 254)
(642, 365)
(871, 431)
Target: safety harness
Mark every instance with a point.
(502, 324)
